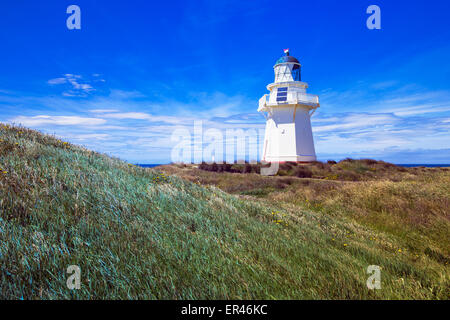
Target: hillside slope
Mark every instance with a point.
(137, 233)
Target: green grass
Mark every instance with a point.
(140, 234)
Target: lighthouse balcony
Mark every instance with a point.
(292, 98)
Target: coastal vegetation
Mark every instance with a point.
(180, 232)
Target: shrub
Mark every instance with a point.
(387, 164)
(203, 166)
(319, 164)
(302, 172)
(348, 175)
(369, 161)
(247, 168)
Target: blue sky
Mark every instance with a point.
(137, 70)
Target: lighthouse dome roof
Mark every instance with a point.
(286, 59)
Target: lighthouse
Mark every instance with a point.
(288, 110)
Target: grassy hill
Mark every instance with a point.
(142, 233)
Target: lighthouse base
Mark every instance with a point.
(301, 158)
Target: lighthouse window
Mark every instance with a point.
(282, 94)
(296, 73)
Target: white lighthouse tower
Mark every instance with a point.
(288, 109)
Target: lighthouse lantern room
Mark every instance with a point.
(288, 110)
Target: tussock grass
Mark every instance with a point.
(146, 234)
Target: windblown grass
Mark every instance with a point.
(144, 234)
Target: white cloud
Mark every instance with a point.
(78, 88)
(354, 121)
(128, 115)
(123, 94)
(103, 110)
(91, 136)
(422, 109)
(57, 81)
(43, 120)
(147, 117)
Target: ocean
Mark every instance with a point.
(423, 165)
(152, 165)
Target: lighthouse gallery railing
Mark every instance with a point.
(292, 98)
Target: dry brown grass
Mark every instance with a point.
(411, 204)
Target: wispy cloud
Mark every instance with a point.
(103, 110)
(57, 81)
(44, 120)
(78, 86)
(89, 136)
(351, 122)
